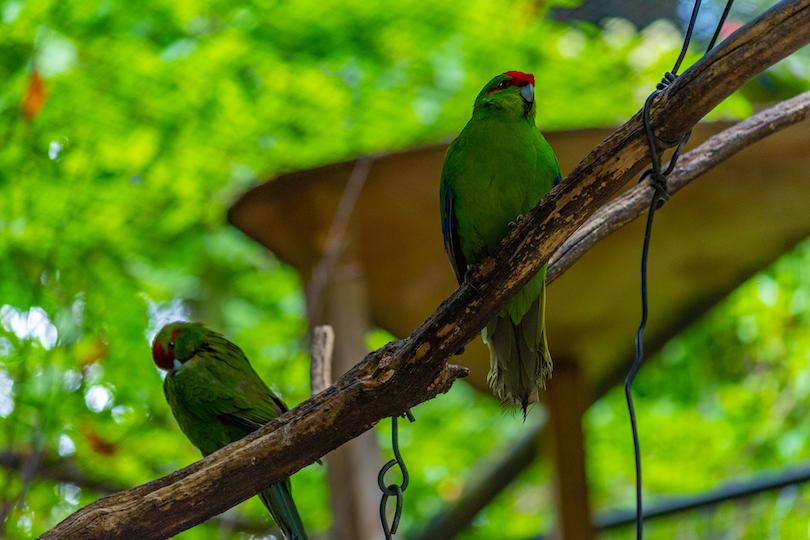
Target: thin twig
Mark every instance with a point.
(336, 235)
(320, 368)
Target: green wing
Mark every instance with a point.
(218, 398)
(447, 200)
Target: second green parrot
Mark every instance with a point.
(217, 399)
(496, 171)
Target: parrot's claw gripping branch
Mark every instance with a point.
(518, 219)
(473, 271)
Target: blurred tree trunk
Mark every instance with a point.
(354, 496)
(567, 403)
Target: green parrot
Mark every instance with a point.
(217, 399)
(496, 170)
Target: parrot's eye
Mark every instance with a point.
(171, 345)
(503, 84)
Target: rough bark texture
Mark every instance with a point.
(408, 372)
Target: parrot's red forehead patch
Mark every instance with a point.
(516, 78)
(524, 78)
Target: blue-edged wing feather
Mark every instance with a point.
(452, 242)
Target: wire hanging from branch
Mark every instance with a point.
(393, 490)
(658, 181)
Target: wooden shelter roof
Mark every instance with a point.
(707, 240)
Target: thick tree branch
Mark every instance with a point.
(408, 372)
(635, 202)
(65, 470)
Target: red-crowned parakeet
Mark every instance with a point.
(496, 170)
(217, 399)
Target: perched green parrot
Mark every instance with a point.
(217, 399)
(498, 169)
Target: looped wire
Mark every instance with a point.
(393, 490)
(658, 181)
(396, 491)
(668, 79)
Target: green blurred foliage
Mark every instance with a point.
(158, 114)
(725, 399)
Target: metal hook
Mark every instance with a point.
(393, 490)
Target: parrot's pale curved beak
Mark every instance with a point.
(528, 93)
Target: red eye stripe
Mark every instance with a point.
(516, 78)
(163, 359)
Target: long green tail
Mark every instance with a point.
(278, 499)
(520, 362)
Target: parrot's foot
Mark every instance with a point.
(518, 219)
(470, 274)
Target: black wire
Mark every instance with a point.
(637, 364)
(720, 25)
(688, 37)
(658, 181)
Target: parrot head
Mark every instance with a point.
(176, 343)
(511, 92)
